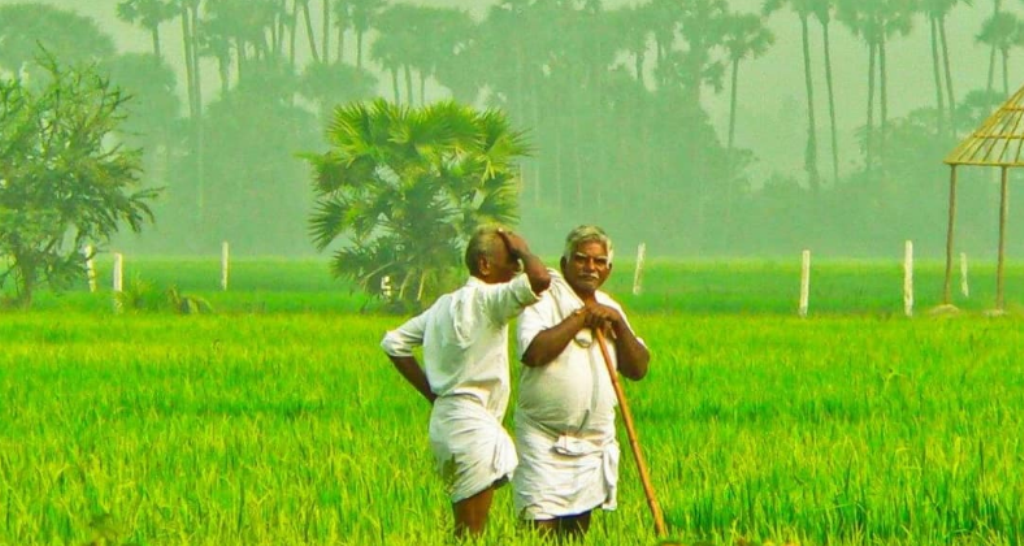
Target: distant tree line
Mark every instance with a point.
(611, 102)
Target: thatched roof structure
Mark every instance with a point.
(997, 142)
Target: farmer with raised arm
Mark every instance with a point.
(465, 377)
(565, 412)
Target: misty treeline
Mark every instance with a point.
(612, 102)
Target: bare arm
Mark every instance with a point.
(632, 356)
(539, 277)
(550, 343)
(413, 373)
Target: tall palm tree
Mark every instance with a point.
(745, 37)
(150, 14)
(932, 9)
(364, 15)
(632, 23)
(307, 19)
(239, 25)
(342, 22)
(388, 54)
(876, 21)
(325, 15)
(401, 28)
(1002, 31)
(804, 9)
(823, 12)
(943, 9)
(406, 186)
(188, 11)
(996, 9)
(662, 17)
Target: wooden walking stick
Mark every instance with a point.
(634, 443)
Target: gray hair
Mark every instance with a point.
(481, 244)
(587, 234)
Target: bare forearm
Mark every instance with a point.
(413, 373)
(633, 357)
(539, 277)
(550, 343)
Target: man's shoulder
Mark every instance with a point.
(605, 298)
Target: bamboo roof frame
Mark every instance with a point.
(997, 142)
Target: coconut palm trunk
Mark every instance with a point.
(408, 83)
(940, 102)
(311, 38)
(992, 51)
(811, 152)
(883, 100)
(394, 84)
(870, 136)
(949, 76)
(186, 34)
(326, 37)
(359, 49)
(1006, 77)
(155, 35)
(732, 102)
(831, 99)
(293, 33)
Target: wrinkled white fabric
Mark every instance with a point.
(565, 417)
(464, 336)
(471, 448)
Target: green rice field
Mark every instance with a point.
(278, 420)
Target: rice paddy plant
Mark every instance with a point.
(289, 426)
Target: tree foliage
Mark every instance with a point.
(63, 182)
(403, 187)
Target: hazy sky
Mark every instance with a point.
(771, 88)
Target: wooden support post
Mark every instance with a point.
(946, 296)
(1004, 209)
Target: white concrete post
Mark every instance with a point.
(90, 268)
(118, 278)
(908, 279)
(224, 265)
(964, 288)
(641, 252)
(118, 272)
(805, 283)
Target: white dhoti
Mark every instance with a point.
(471, 448)
(563, 474)
(565, 417)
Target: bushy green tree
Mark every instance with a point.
(403, 187)
(63, 180)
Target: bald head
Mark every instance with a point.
(484, 243)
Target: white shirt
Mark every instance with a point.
(465, 339)
(573, 392)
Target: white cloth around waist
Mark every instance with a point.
(472, 450)
(563, 474)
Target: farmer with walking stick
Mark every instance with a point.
(465, 377)
(565, 412)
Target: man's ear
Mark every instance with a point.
(610, 267)
(561, 263)
(483, 266)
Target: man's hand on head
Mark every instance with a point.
(516, 245)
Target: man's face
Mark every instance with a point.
(587, 268)
(500, 266)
